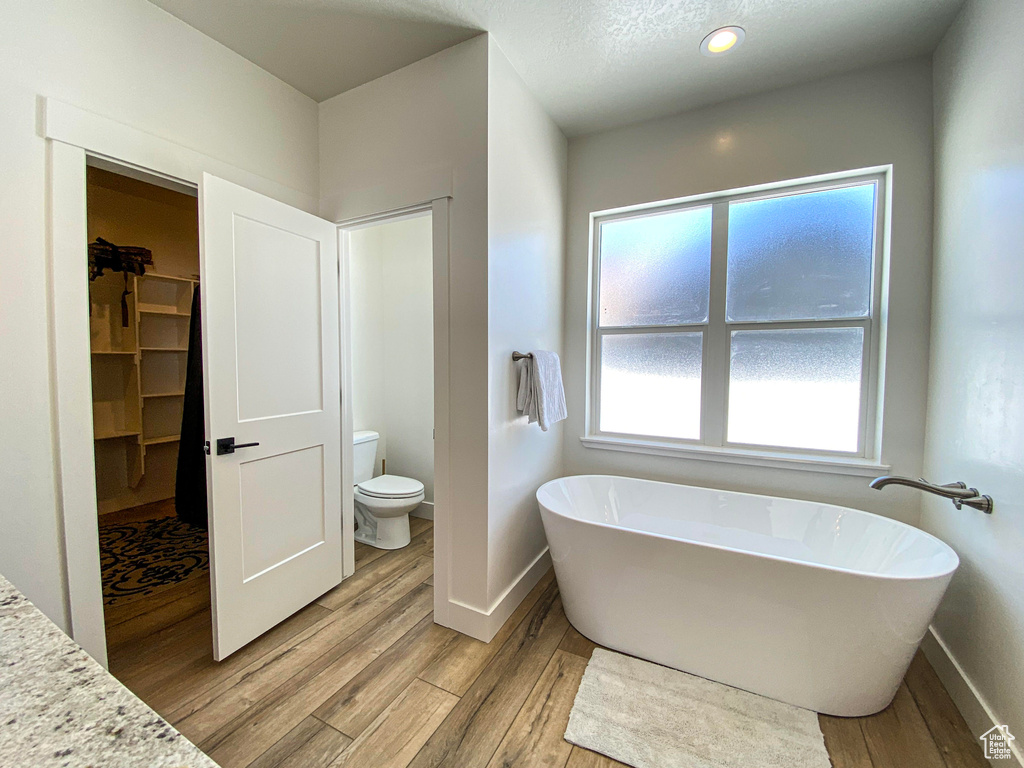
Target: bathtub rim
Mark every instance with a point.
(777, 558)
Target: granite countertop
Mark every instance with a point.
(58, 707)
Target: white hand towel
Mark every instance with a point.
(541, 395)
(525, 402)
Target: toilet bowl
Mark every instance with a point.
(383, 503)
(382, 507)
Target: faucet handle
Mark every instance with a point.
(977, 501)
(980, 502)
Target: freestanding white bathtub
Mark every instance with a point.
(812, 604)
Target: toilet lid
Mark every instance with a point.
(391, 487)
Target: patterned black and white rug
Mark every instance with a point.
(140, 558)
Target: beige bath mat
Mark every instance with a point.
(650, 716)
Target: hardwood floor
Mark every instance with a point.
(151, 511)
(363, 677)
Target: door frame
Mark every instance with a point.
(73, 138)
(438, 209)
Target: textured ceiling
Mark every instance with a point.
(594, 64)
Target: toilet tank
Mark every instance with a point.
(364, 455)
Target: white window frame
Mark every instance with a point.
(713, 443)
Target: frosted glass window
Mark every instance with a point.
(651, 384)
(656, 270)
(771, 313)
(801, 257)
(796, 388)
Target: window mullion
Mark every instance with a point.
(645, 329)
(716, 339)
(785, 325)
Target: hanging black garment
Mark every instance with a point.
(190, 483)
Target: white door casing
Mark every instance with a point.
(271, 364)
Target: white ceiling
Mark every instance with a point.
(594, 64)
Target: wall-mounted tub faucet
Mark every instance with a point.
(956, 492)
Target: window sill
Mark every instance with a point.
(836, 465)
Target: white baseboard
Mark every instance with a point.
(484, 625)
(424, 510)
(968, 699)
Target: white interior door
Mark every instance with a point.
(271, 365)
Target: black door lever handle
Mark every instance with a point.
(227, 445)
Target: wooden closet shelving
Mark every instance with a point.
(116, 434)
(169, 313)
(138, 370)
(161, 440)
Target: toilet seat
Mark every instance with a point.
(391, 487)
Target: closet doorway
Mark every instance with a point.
(257, 393)
(263, 382)
(147, 397)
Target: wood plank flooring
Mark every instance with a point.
(363, 677)
(151, 511)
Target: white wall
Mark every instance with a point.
(366, 296)
(409, 350)
(132, 62)
(868, 118)
(390, 268)
(976, 383)
(408, 137)
(526, 229)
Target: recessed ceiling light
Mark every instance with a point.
(722, 41)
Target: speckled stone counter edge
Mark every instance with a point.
(58, 707)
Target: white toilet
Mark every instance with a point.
(383, 503)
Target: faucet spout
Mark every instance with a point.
(951, 491)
